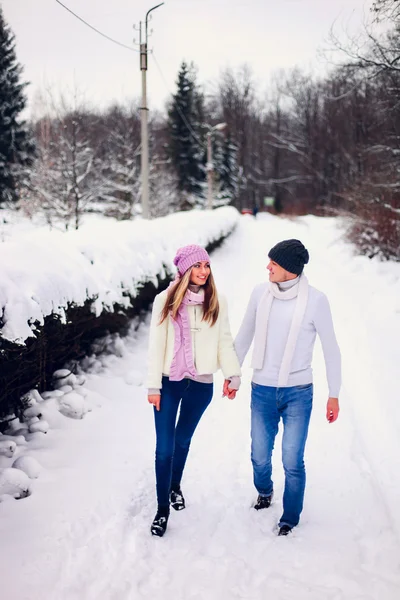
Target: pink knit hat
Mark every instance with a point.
(188, 256)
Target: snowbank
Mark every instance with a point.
(107, 263)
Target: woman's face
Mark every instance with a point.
(200, 272)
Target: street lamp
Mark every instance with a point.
(210, 166)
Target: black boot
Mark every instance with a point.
(176, 498)
(263, 501)
(284, 530)
(159, 524)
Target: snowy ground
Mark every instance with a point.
(84, 532)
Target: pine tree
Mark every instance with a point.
(16, 143)
(227, 169)
(185, 147)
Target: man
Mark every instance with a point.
(284, 316)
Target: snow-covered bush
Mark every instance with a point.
(106, 263)
(60, 292)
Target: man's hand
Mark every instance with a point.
(332, 409)
(155, 400)
(227, 391)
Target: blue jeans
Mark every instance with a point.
(173, 438)
(268, 405)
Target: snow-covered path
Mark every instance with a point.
(84, 532)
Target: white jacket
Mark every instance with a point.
(212, 347)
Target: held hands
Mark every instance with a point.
(227, 391)
(155, 400)
(332, 409)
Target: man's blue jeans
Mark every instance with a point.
(173, 438)
(268, 406)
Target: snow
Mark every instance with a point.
(83, 532)
(14, 482)
(7, 447)
(44, 272)
(73, 405)
(28, 465)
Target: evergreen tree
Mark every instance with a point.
(16, 144)
(185, 147)
(226, 168)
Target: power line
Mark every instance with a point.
(181, 114)
(96, 30)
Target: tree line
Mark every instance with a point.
(326, 146)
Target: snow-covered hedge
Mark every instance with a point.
(60, 291)
(106, 262)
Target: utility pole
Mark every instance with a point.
(144, 118)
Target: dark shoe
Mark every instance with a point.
(159, 524)
(284, 530)
(176, 498)
(263, 502)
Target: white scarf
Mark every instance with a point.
(263, 310)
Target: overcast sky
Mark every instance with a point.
(57, 50)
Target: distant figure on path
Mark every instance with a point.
(190, 339)
(283, 316)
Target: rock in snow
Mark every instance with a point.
(63, 377)
(41, 425)
(14, 482)
(73, 405)
(29, 465)
(32, 411)
(7, 448)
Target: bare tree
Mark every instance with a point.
(64, 180)
(240, 109)
(387, 9)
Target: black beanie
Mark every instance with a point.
(290, 255)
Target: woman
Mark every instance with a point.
(190, 339)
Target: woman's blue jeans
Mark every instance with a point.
(174, 437)
(268, 406)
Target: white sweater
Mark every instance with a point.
(317, 319)
(212, 347)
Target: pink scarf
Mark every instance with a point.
(182, 363)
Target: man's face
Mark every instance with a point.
(278, 274)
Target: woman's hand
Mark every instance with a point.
(227, 391)
(154, 399)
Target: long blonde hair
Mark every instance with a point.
(177, 292)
